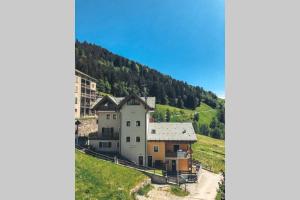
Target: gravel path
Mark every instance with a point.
(205, 189)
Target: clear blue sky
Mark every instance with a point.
(181, 38)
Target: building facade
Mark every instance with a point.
(125, 127)
(85, 94)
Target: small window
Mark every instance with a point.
(128, 123)
(75, 100)
(155, 148)
(114, 116)
(138, 123)
(97, 121)
(127, 139)
(117, 144)
(75, 110)
(109, 144)
(108, 116)
(153, 131)
(138, 139)
(100, 144)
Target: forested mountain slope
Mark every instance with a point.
(120, 76)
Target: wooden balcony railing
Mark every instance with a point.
(178, 154)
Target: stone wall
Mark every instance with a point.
(87, 126)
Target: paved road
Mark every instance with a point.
(205, 189)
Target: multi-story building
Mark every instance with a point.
(85, 94)
(125, 127)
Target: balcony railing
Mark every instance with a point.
(178, 154)
(114, 136)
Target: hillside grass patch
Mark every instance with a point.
(210, 152)
(98, 179)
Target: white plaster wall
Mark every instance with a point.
(108, 123)
(133, 149)
(95, 144)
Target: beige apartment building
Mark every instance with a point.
(85, 94)
(125, 127)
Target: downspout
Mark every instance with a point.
(146, 124)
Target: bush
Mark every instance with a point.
(221, 190)
(204, 129)
(178, 191)
(144, 190)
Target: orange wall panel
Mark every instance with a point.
(183, 164)
(160, 155)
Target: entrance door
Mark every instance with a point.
(176, 147)
(141, 162)
(149, 161)
(173, 165)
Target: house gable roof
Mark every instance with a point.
(169, 131)
(143, 100)
(148, 102)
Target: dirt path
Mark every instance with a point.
(205, 189)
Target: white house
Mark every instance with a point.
(124, 127)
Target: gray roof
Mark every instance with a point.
(150, 100)
(171, 131)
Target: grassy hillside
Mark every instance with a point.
(206, 113)
(210, 152)
(97, 179)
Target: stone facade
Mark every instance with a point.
(87, 126)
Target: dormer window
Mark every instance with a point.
(133, 101)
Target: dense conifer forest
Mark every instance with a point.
(120, 76)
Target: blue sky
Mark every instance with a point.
(184, 39)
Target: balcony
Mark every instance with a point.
(179, 154)
(105, 136)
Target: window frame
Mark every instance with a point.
(137, 139)
(138, 123)
(128, 123)
(154, 148)
(128, 139)
(107, 116)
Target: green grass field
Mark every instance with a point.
(97, 179)
(210, 152)
(206, 113)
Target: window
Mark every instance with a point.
(127, 139)
(118, 145)
(75, 110)
(108, 116)
(97, 121)
(114, 116)
(155, 148)
(128, 123)
(105, 144)
(75, 100)
(153, 131)
(138, 123)
(138, 139)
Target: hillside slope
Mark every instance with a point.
(120, 76)
(97, 179)
(210, 152)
